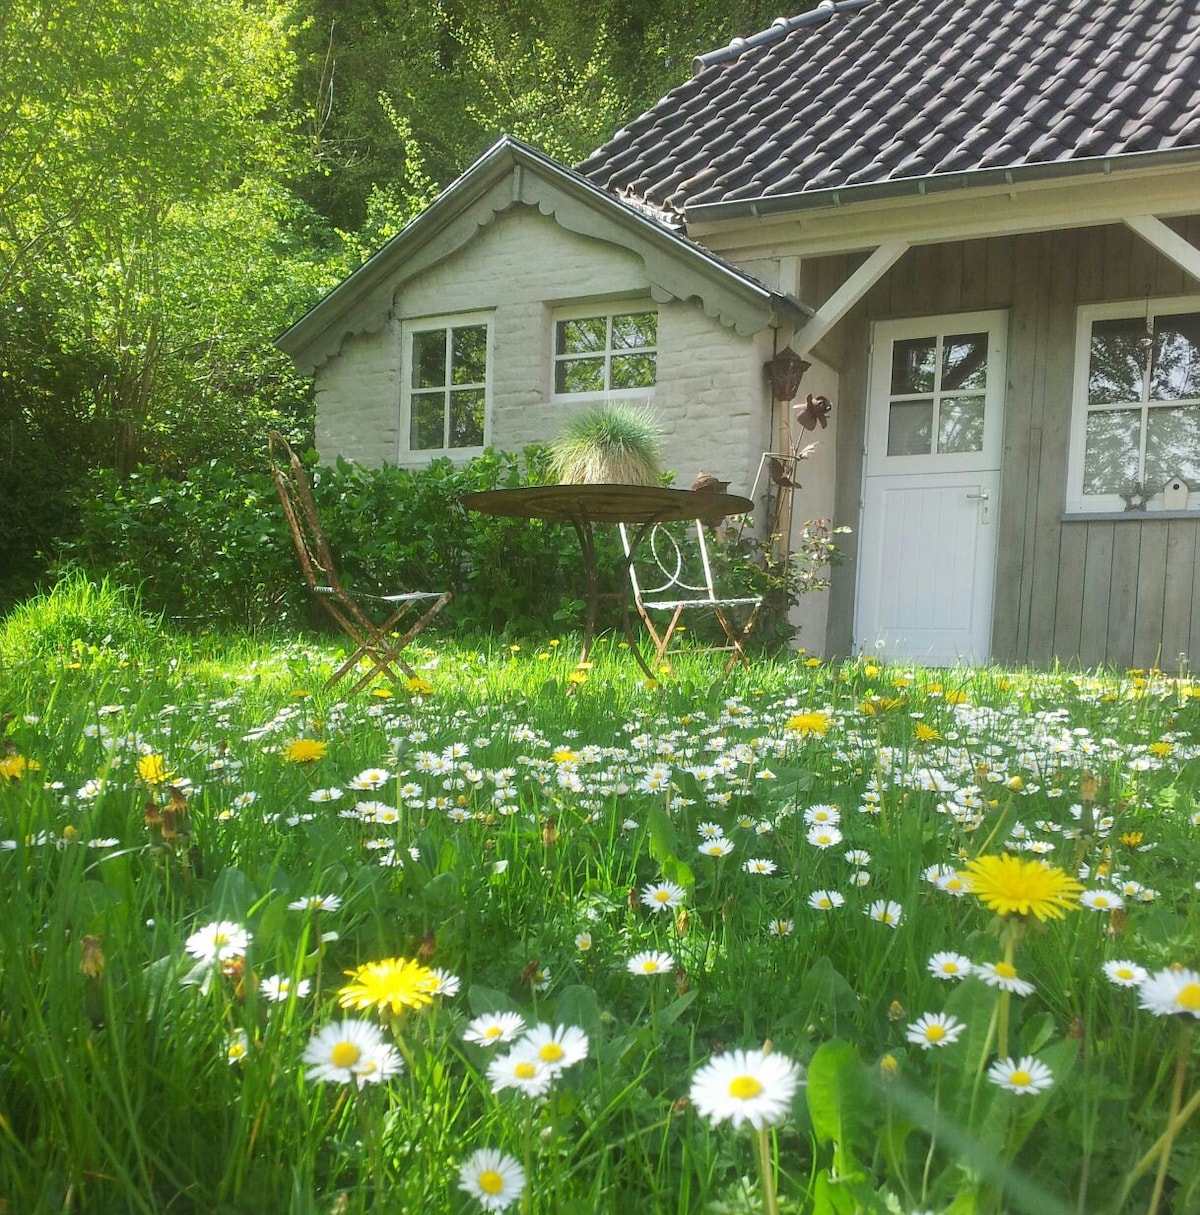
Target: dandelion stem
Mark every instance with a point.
(1168, 1140)
(766, 1172)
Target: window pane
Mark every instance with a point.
(1110, 461)
(1118, 356)
(429, 359)
(1173, 446)
(633, 371)
(469, 357)
(910, 428)
(466, 418)
(960, 424)
(913, 364)
(579, 375)
(635, 329)
(964, 363)
(425, 431)
(1176, 357)
(582, 336)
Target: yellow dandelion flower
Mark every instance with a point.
(925, 733)
(383, 693)
(393, 984)
(153, 769)
(812, 662)
(304, 751)
(1015, 885)
(13, 767)
(420, 687)
(1161, 748)
(804, 724)
(955, 698)
(577, 676)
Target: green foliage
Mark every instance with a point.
(76, 617)
(608, 444)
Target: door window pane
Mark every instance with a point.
(1110, 462)
(910, 428)
(913, 364)
(1117, 359)
(1176, 371)
(964, 363)
(960, 423)
(1172, 446)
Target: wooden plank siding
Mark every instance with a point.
(1080, 591)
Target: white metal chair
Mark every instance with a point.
(670, 573)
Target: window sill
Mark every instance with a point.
(1125, 516)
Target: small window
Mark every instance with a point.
(1136, 424)
(612, 354)
(447, 387)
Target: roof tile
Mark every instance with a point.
(869, 91)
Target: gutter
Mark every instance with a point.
(936, 183)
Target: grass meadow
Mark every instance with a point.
(815, 938)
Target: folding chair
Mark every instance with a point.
(670, 573)
(376, 640)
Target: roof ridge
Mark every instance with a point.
(779, 28)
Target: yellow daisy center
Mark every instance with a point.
(524, 1070)
(492, 1031)
(934, 1033)
(745, 1087)
(220, 938)
(345, 1054)
(490, 1182)
(1006, 970)
(1123, 972)
(551, 1052)
(1020, 1078)
(949, 968)
(1189, 997)
(662, 896)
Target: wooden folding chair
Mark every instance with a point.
(670, 573)
(357, 614)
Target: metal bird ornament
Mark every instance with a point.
(816, 409)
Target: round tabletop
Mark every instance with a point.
(606, 503)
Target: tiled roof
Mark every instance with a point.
(859, 94)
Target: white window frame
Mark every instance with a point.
(607, 311)
(1077, 502)
(409, 329)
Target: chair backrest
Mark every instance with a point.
(300, 509)
(671, 562)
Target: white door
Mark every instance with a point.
(927, 550)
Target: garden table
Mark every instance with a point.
(639, 507)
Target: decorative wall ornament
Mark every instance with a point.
(1135, 496)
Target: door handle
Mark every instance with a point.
(982, 496)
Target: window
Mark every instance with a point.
(1136, 424)
(447, 386)
(614, 354)
(937, 395)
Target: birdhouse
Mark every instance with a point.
(1175, 494)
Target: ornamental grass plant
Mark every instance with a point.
(609, 444)
(542, 938)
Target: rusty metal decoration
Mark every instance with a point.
(814, 411)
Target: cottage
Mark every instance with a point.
(975, 220)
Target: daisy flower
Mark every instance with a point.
(1101, 900)
(745, 1086)
(495, 1027)
(650, 962)
(758, 865)
(1004, 976)
(350, 1050)
(1016, 885)
(394, 984)
(781, 928)
(823, 837)
(950, 966)
(493, 1178)
(826, 900)
(858, 856)
(555, 1047)
(1124, 974)
(519, 1069)
(279, 988)
(583, 941)
(935, 1029)
(316, 902)
(886, 911)
(218, 942)
(823, 815)
(1170, 991)
(717, 847)
(662, 896)
(1027, 1076)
